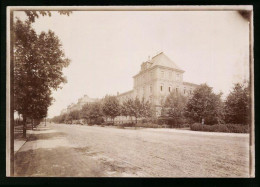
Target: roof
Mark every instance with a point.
(162, 60)
(125, 93)
(190, 84)
(86, 98)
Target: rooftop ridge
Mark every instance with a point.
(189, 83)
(157, 54)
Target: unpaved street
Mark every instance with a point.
(87, 151)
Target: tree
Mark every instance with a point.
(127, 108)
(146, 109)
(174, 107)
(32, 14)
(72, 115)
(135, 108)
(38, 64)
(237, 105)
(95, 111)
(206, 105)
(124, 109)
(111, 107)
(84, 112)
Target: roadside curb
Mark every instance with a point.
(27, 138)
(20, 146)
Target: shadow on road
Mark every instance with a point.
(48, 153)
(56, 162)
(45, 136)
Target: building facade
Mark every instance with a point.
(78, 106)
(156, 79)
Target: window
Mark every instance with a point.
(161, 88)
(176, 90)
(184, 90)
(151, 88)
(169, 89)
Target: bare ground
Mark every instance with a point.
(87, 151)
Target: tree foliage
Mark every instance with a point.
(95, 110)
(73, 115)
(174, 107)
(33, 14)
(84, 112)
(237, 105)
(38, 64)
(146, 109)
(136, 108)
(111, 107)
(206, 105)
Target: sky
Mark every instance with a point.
(106, 49)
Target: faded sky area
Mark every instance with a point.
(107, 48)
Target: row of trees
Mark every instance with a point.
(108, 108)
(206, 106)
(38, 62)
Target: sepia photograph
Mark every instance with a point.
(130, 91)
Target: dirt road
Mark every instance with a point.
(73, 150)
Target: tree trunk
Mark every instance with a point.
(135, 122)
(32, 123)
(24, 126)
(18, 119)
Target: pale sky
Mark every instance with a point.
(107, 48)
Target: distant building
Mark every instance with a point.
(78, 106)
(157, 78)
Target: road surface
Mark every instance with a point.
(92, 151)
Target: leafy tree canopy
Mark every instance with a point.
(95, 110)
(206, 105)
(174, 106)
(33, 14)
(111, 106)
(237, 105)
(38, 64)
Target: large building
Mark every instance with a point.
(156, 79)
(78, 106)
